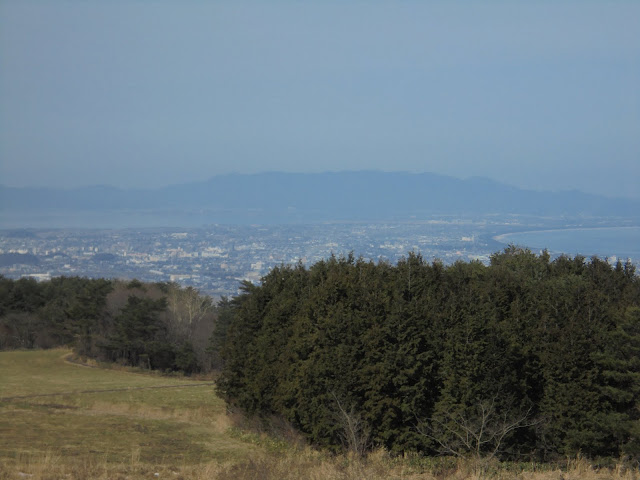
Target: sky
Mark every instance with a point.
(542, 95)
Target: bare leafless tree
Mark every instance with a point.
(187, 307)
(354, 433)
(191, 318)
(480, 432)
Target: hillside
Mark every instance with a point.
(137, 426)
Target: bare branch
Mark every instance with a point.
(480, 432)
(355, 434)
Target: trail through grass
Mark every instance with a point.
(44, 372)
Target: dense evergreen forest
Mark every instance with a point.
(527, 358)
(159, 326)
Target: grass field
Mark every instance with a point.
(65, 421)
(107, 417)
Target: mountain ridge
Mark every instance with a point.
(363, 195)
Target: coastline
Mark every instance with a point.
(501, 238)
(603, 242)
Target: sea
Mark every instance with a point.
(612, 242)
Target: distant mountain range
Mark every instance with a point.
(298, 197)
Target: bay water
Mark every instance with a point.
(619, 242)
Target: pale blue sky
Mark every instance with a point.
(543, 95)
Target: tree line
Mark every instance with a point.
(528, 357)
(152, 325)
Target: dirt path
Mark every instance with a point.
(68, 358)
(125, 389)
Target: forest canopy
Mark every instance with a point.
(528, 357)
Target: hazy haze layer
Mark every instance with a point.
(133, 94)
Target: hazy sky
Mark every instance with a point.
(542, 94)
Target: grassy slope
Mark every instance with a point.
(176, 433)
(32, 373)
(156, 427)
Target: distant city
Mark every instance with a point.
(217, 258)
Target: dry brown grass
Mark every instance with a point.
(300, 464)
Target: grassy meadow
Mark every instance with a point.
(60, 420)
